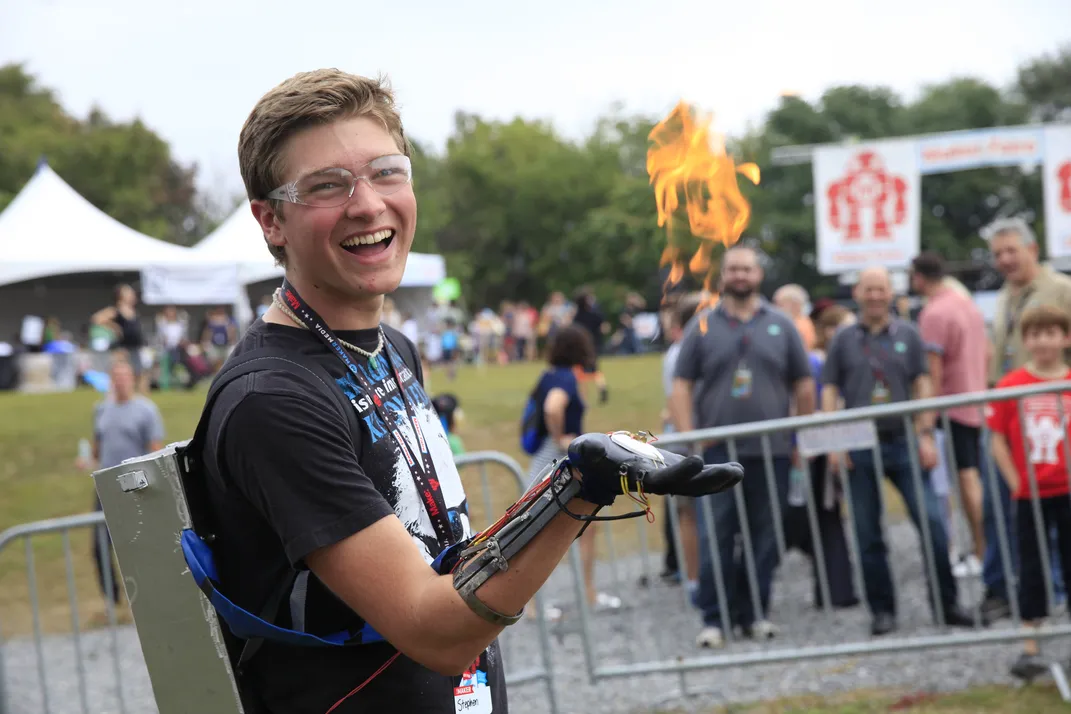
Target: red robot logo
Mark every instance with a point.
(1063, 175)
(867, 185)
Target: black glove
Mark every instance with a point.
(601, 460)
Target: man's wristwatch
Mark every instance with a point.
(928, 431)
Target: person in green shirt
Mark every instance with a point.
(449, 409)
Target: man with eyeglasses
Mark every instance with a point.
(335, 507)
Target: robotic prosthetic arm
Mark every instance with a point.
(599, 467)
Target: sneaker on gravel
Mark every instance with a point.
(1029, 667)
(764, 630)
(605, 601)
(709, 637)
(967, 567)
(994, 607)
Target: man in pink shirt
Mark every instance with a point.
(953, 330)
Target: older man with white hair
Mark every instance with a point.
(792, 300)
(1027, 283)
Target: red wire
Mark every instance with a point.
(526, 498)
(363, 684)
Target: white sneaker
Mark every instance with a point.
(605, 601)
(709, 637)
(967, 567)
(764, 630)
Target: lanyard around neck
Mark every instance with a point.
(421, 466)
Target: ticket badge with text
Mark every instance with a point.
(880, 395)
(472, 699)
(741, 383)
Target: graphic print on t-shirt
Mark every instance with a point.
(384, 456)
(1043, 430)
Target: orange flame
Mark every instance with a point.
(686, 156)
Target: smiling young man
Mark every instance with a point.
(294, 488)
(328, 520)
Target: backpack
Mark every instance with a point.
(254, 628)
(533, 429)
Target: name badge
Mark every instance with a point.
(1009, 359)
(880, 395)
(741, 383)
(472, 699)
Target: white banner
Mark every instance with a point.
(191, 285)
(962, 150)
(867, 200)
(1057, 186)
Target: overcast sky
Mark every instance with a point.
(192, 69)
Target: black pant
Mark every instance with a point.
(831, 532)
(1055, 515)
(102, 541)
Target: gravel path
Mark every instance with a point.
(656, 625)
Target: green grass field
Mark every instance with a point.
(38, 442)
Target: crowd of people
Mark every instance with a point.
(749, 360)
(448, 336)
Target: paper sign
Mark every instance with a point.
(1057, 187)
(867, 201)
(852, 436)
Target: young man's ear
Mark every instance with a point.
(270, 221)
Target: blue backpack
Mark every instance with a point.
(533, 429)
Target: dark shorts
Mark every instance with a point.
(449, 354)
(965, 442)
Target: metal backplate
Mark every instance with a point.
(146, 511)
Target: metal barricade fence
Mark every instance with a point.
(657, 619)
(36, 692)
(114, 653)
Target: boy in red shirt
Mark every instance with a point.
(1040, 436)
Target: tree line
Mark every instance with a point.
(519, 210)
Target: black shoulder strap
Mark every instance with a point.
(256, 360)
(193, 479)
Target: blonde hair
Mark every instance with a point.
(307, 99)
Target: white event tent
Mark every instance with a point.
(62, 256)
(49, 229)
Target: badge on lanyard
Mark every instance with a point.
(1009, 359)
(880, 395)
(472, 695)
(741, 382)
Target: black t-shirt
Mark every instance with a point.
(284, 479)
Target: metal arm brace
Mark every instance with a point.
(479, 562)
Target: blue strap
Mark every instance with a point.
(244, 624)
